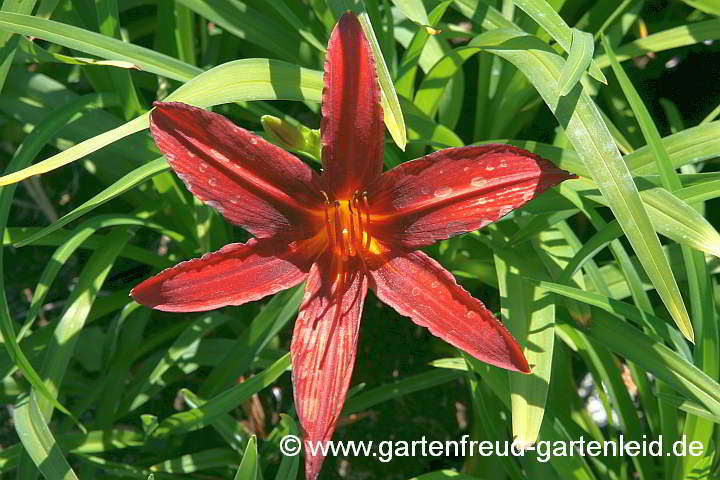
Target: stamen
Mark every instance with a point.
(367, 218)
(346, 229)
(339, 228)
(352, 227)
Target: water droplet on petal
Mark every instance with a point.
(434, 285)
(415, 291)
(202, 167)
(478, 182)
(212, 182)
(470, 314)
(466, 169)
(443, 191)
(489, 168)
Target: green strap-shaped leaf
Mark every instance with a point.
(202, 416)
(8, 41)
(405, 386)
(689, 34)
(32, 144)
(546, 16)
(405, 82)
(584, 126)
(248, 79)
(289, 465)
(579, 58)
(529, 313)
(249, 468)
(198, 461)
(249, 24)
(66, 333)
(650, 353)
(414, 10)
(127, 182)
(39, 442)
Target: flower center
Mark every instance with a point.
(346, 224)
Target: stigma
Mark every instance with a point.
(347, 225)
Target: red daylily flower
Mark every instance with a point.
(347, 230)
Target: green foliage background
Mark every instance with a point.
(605, 279)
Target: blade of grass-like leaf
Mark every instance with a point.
(298, 24)
(553, 23)
(579, 58)
(652, 136)
(424, 130)
(187, 341)
(109, 25)
(707, 6)
(602, 365)
(8, 41)
(66, 333)
(642, 349)
(673, 217)
(202, 416)
(579, 116)
(39, 442)
(402, 387)
(391, 106)
(700, 288)
(248, 79)
(249, 24)
(198, 461)
(529, 313)
(414, 10)
(127, 182)
(656, 358)
(552, 430)
(554, 249)
(13, 235)
(63, 253)
(32, 144)
(248, 469)
(681, 36)
(263, 328)
(405, 81)
(289, 465)
(227, 427)
(97, 44)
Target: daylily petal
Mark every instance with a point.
(352, 125)
(323, 349)
(235, 274)
(252, 182)
(454, 191)
(420, 288)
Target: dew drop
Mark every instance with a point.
(466, 169)
(415, 291)
(202, 167)
(471, 314)
(478, 182)
(434, 285)
(212, 182)
(489, 168)
(253, 140)
(234, 200)
(443, 191)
